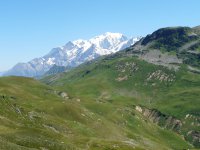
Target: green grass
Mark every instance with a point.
(101, 93)
(32, 116)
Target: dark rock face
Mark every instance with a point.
(170, 38)
(57, 69)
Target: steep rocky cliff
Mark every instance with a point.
(172, 123)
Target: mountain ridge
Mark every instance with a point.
(73, 54)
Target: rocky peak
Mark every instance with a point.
(69, 45)
(169, 38)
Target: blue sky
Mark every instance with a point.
(30, 28)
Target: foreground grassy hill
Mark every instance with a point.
(163, 89)
(36, 116)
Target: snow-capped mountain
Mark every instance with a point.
(73, 54)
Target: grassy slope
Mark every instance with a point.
(32, 116)
(99, 80)
(96, 85)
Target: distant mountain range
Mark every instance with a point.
(73, 54)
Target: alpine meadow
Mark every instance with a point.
(109, 92)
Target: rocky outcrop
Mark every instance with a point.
(157, 57)
(161, 76)
(122, 78)
(195, 136)
(161, 119)
(63, 95)
(174, 124)
(125, 70)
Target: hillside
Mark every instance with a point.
(158, 78)
(143, 97)
(180, 44)
(36, 116)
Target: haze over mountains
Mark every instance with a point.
(73, 54)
